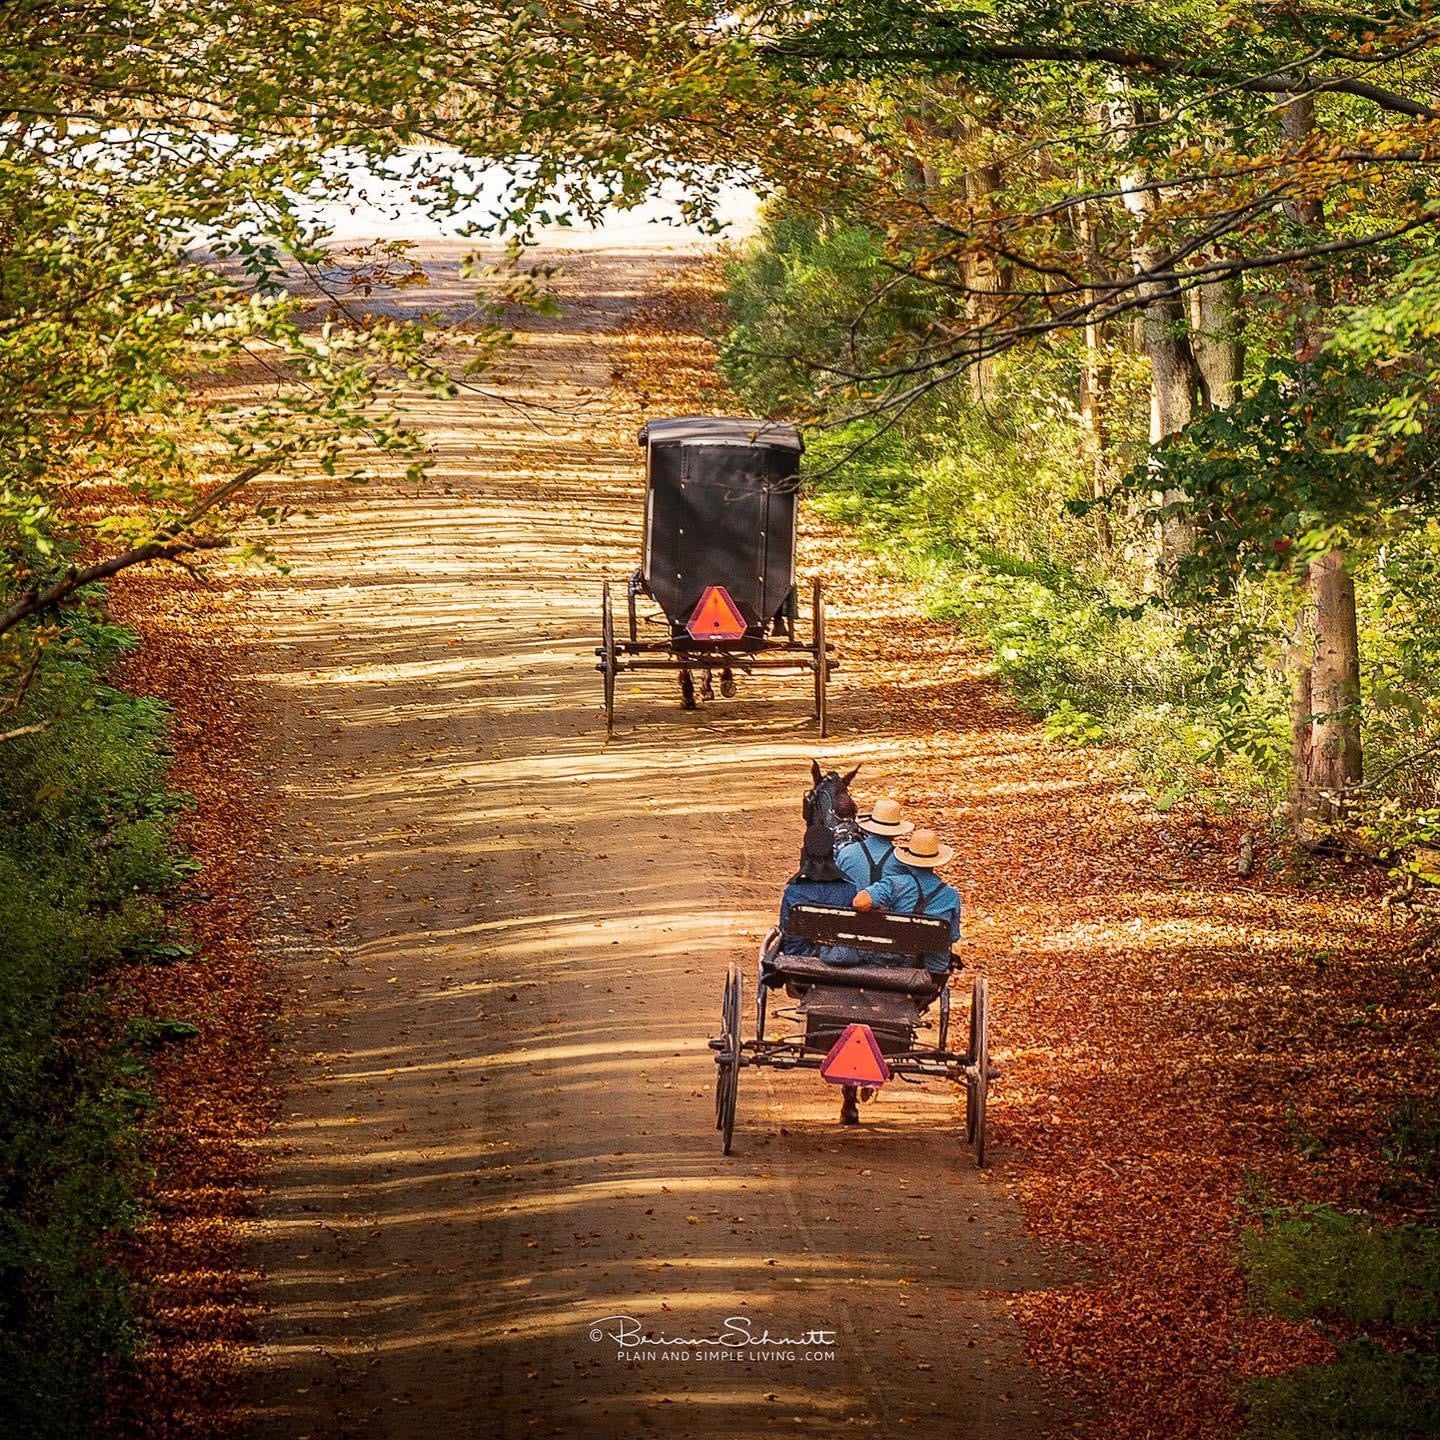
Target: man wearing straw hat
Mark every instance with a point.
(872, 856)
(912, 888)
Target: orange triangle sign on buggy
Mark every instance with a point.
(855, 1059)
(716, 617)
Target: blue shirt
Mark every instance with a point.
(855, 859)
(811, 892)
(901, 891)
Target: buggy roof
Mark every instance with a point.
(721, 430)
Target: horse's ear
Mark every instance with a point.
(815, 771)
(845, 783)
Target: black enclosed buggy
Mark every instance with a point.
(718, 561)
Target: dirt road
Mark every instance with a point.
(502, 944)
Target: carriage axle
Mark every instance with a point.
(782, 653)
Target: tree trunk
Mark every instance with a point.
(1325, 700)
(1215, 338)
(1173, 370)
(929, 172)
(984, 277)
(1172, 397)
(1328, 760)
(1298, 657)
(1095, 381)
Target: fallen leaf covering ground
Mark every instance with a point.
(1178, 1043)
(192, 1303)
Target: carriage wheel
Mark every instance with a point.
(822, 663)
(630, 592)
(723, 1049)
(609, 661)
(977, 1080)
(727, 1058)
(687, 690)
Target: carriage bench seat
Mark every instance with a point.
(805, 970)
(904, 936)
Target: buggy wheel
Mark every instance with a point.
(687, 690)
(727, 1057)
(609, 660)
(822, 662)
(977, 1075)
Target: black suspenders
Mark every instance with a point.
(922, 899)
(877, 873)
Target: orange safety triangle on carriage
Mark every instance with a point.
(855, 1059)
(716, 617)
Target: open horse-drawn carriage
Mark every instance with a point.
(860, 1025)
(718, 562)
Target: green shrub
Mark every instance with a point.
(970, 502)
(86, 851)
(975, 502)
(1366, 1393)
(796, 294)
(1412, 1147)
(1319, 1261)
(1321, 1264)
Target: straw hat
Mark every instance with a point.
(883, 818)
(924, 851)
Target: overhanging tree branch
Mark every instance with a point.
(965, 53)
(167, 544)
(911, 382)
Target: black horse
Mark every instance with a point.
(827, 802)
